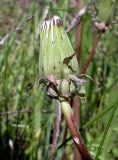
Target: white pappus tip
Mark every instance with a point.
(56, 20)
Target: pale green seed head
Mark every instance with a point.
(55, 48)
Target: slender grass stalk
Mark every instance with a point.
(105, 132)
(56, 129)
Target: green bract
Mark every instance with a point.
(56, 53)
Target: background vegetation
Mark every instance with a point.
(27, 119)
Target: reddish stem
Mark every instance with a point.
(76, 101)
(72, 125)
(91, 54)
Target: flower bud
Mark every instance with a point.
(57, 56)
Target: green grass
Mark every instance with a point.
(26, 132)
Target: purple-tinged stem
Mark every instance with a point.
(77, 138)
(91, 54)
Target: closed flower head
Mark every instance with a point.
(56, 53)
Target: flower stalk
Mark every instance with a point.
(71, 123)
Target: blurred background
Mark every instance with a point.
(27, 119)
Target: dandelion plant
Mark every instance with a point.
(58, 70)
(29, 126)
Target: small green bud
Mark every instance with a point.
(56, 53)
